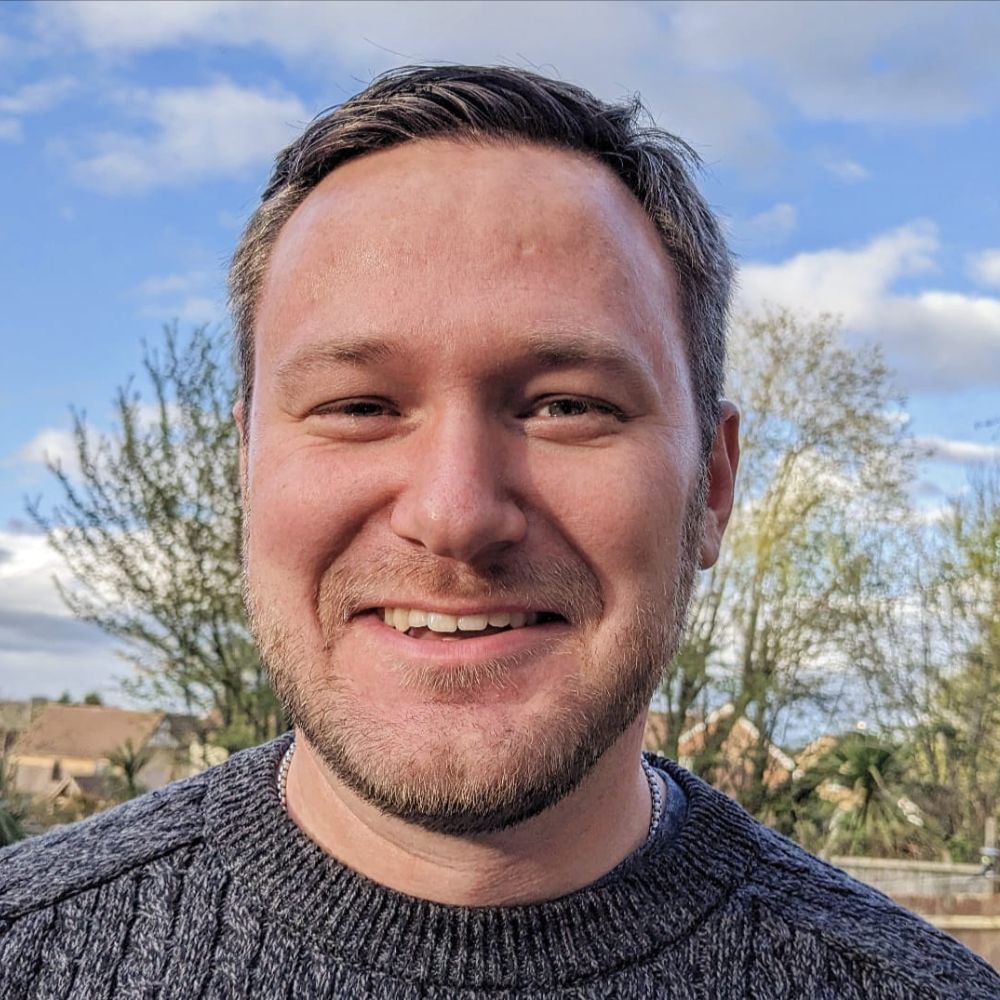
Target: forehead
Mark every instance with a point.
(467, 242)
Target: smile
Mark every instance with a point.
(418, 623)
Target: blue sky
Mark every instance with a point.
(852, 148)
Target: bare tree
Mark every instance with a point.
(825, 460)
(151, 533)
(936, 664)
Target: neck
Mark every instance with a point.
(564, 848)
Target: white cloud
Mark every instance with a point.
(27, 566)
(854, 62)
(950, 450)
(719, 74)
(849, 171)
(51, 445)
(35, 97)
(984, 267)
(372, 36)
(932, 513)
(173, 283)
(148, 414)
(898, 418)
(193, 310)
(937, 339)
(772, 226)
(43, 649)
(29, 99)
(110, 26)
(843, 281)
(195, 298)
(719, 116)
(197, 133)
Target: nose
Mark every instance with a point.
(457, 502)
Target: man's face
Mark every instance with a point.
(471, 475)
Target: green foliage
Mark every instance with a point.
(953, 687)
(128, 760)
(12, 812)
(823, 464)
(151, 532)
(930, 653)
(876, 817)
(858, 796)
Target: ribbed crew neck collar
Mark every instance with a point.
(589, 933)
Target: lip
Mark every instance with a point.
(458, 610)
(443, 652)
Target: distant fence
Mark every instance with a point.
(973, 920)
(918, 878)
(959, 899)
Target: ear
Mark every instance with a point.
(240, 415)
(722, 463)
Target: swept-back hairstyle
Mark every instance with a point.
(492, 104)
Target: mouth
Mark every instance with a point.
(421, 624)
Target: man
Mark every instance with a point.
(480, 321)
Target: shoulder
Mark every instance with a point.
(42, 870)
(855, 923)
(812, 912)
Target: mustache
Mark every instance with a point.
(562, 586)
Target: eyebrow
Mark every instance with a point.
(359, 352)
(551, 350)
(571, 350)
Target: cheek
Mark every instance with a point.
(622, 513)
(306, 508)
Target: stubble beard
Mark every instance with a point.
(512, 773)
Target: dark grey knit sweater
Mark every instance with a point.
(206, 889)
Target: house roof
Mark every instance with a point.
(94, 786)
(86, 730)
(15, 715)
(695, 735)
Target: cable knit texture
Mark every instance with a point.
(206, 889)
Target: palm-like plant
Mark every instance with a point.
(11, 813)
(129, 760)
(873, 813)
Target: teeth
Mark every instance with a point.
(403, 619)
(437, 622)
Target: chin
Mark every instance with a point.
(455, 769)
(471, 752)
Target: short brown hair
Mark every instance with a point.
(497, 103)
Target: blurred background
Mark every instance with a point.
(842, 674)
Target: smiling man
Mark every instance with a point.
(451, 368)
(480, 320)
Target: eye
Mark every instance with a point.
(357, 419)
(356, 408)
(564, 407)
